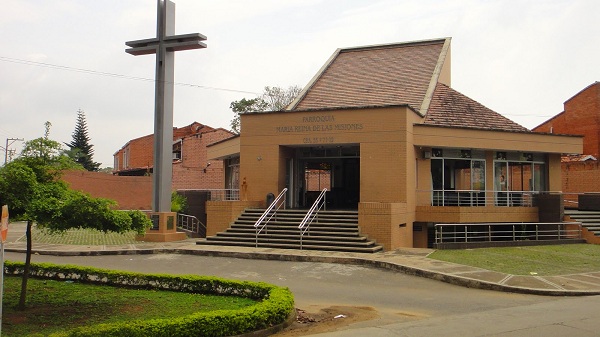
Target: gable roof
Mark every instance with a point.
(394, 74)
(398, 74)
(451, 108)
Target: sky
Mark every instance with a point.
(522, 59)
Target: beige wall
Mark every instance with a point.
(554, 172)
(224, 149)
(386, 160)
(432, 136)
(381, 133)
(220, 214)
(476, 214)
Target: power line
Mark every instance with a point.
(107, 74)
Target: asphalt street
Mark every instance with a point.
(402, 301)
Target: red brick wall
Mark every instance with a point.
(129, 192)
(581, 116)
(581, 177)
(188, 173)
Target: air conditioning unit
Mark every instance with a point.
(176, 155)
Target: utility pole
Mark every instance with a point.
(6, 150)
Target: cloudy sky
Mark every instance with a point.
(522, 59)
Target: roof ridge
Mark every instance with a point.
(395, 44)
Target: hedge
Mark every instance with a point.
(275, 304)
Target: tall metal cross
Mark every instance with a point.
(164, 45)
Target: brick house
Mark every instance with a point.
(191, 168)
(581, 116)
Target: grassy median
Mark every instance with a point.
(62, 305)
(532, 260)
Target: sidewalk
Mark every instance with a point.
(412, 261)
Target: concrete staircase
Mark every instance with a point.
(589, 220)
(332, 231)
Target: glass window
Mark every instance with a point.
(458, 182)
(515, 176)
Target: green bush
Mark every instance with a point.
(274, 306)
(178, 203)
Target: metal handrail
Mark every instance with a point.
(312, 213)
(508, 231)
(190, 223)
(471, 198)
(278, 202)
(229, 194)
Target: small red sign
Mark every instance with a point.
(4, 223)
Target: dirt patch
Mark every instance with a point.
(327, 319)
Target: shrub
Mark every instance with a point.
(274, 306)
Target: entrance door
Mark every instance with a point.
(334, 168)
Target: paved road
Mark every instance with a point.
(403, 301)
(408, 305)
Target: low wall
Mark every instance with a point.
(456, 214)
(128, 192)
(220, 214)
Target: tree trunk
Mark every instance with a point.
(21, 305)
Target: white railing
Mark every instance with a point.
(190, 223)
(231, 194)
(571, 200)
(475, 198)
(312, 213)
(269, 213)
(488, 232)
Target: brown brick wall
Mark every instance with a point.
(129, 192)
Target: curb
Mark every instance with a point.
(438, 276)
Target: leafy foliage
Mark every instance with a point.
(178, 203)
(272, 99)
(80, 148)
(18, 185)
(30, 187)
(275, 304)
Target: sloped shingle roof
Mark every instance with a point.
(451, 108)
(376, 76)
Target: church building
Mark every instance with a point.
(384, 131)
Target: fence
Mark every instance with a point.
(475, 198)
(484, 234)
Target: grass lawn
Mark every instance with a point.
(86, 237)
(58, 305)
(532, 260)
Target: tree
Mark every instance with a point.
(272, 99)
(31, 188)
(80, 149)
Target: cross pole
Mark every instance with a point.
(164, 45)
